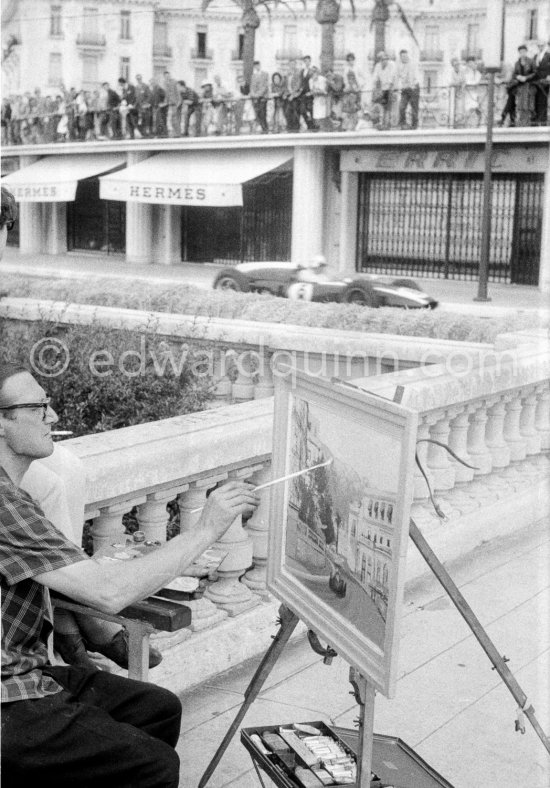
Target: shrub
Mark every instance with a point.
(94, 397)
(189, 300)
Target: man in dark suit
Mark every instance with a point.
(259, 91)
(306, 96)
(111, 117)
(128, 94)
(541, 81)
(143, 106)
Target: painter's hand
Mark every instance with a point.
(226, 503)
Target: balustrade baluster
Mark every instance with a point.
(204, 613)
(527, 427)
(458, 442)
(420, 489)
(512, 435)
(438, 459)
(108, 527)
(257, 528)
(243, 387)
(264, 387)
(542, 416)
(223, 387)
(228, 592)
(152, 515)
(479, 453)
(494, 435)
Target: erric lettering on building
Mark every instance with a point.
(36, 192)
(517, 158)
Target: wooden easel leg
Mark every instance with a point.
(288, 625)
(364, 695)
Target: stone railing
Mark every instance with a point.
(494, 413)
(241, 355)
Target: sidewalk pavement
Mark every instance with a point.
(450, 707)
(453, 295)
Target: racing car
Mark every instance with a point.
(284, 279)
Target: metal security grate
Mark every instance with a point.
(431, 226)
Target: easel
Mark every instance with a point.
(364, 691)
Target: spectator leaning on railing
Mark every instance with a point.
(384, 85)
(408, 81)
(541, 81)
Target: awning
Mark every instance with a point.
(55, 178)
(211, 178)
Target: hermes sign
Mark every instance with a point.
(171, 193)
(509, 158)
(44, 192)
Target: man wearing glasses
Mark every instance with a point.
(69, 725)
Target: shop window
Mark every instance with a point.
(125, 29)
(55, 69)
(55, 21)
(89, 71)
(472, 40)
(431, 40)
(94, 224)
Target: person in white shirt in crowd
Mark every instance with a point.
(384, 79)
(220, 94)
(472, 97)
(353, 74)
(321, 111)
(408, 81)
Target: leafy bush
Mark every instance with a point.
(95, 394)
(189, 300)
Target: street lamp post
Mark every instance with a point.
(493, 64)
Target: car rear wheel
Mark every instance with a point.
(232, 280)
(362, 295)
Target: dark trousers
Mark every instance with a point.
(510, 106)
(101, 731)
(260, 110)
(409, 96)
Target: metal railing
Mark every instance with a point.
(444, 107)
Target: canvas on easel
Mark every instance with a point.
(338, 535)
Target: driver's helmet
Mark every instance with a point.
(317, 261)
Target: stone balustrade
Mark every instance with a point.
(495, 414)
(242, 356)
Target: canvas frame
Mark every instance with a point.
(365, 412)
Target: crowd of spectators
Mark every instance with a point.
(298, 98)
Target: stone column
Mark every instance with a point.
(257, 528)
(55, 227)
(108, 527)
(349, 190)
(527, 427)
(227, 592)
(438, 458)
(139, 224)
(544, 271)
(458, 442)
(31, 231)
(307, 204)
(152, 516)
(542, 416)
(167, 234)
(512, 435)
(204, 614)
(494, 435)
(479, 453)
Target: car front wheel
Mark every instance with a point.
(232, 280)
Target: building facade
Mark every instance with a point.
(82, 43)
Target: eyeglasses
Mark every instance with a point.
(44, 405)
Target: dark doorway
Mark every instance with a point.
(94, 224)
(259, 231)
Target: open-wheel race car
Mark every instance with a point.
(316, 283)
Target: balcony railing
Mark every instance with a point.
(431, 55)
(474, 52)
(289, 53)
(440, 107)
(162, 51)
(202, 54)
(92, 40)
